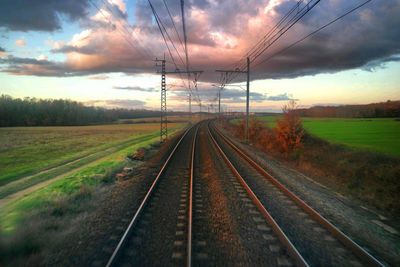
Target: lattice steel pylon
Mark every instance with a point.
(164, 121)
(163, 116)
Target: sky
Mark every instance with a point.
(101, 52)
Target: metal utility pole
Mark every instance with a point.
(196, 73)
(190, 107)
(164, 121)
(163, 116)
(247, 99)
(247, 93)
(219, 103)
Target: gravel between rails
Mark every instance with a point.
(231, 229)
(315, 244)
(357, 220)
(159, 237)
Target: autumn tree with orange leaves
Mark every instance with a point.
(289, 131)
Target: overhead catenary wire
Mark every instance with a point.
(125, 27)
(165, 40)
(312, 33)
(166, 32)
(251, 50)
(184, 46)
(259, 49)
(173, 24)
(186, 50)
(129, 41)
(309, 6)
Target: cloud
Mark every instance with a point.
(42, 57)
(27, 15)
(282, 97)
(99, 77)
(135, 88)
(208, 94)
(20, 43)
(32, 66)
(2, 52)
(117, 103)
(219, 34)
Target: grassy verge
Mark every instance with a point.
(369, 176)
(19, 185)
(366, 175)
(29, 150)
(27, 224)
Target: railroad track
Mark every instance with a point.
(161, 226)
(316, 239)
(212, 205)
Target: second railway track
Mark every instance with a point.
(209, 205)
(159, 232)
(318, 241)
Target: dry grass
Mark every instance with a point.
(39, 222)
(28, 150)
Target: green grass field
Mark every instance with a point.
(61, 196)
(29, 150)
(376, 134)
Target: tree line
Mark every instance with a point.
(60, 112)
(388, 109)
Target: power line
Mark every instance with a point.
(165, 41)
(162, 33)
(266, 43)
(186, 50)
(129, 32)
(184, 32)
(173, 24)
(250, 51)
(310, 5)
(312, 33)
(166, 32)
(121, 33)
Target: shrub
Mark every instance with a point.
(289, 131)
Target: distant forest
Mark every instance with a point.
(57, 112)
(388, 109)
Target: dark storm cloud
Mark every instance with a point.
(116, 12)
(2, 49)
(87, 50)
(135, 88)
(45, 68)
(239, 96)
(202, 4)
(228, 95)
(130, 103)
(31, 66)
(281, 97)
(26, 15)
(367, 38)
(117, 103)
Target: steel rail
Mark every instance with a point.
(291, 249)
(190, 215)
(127, 232)
(358, 251)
